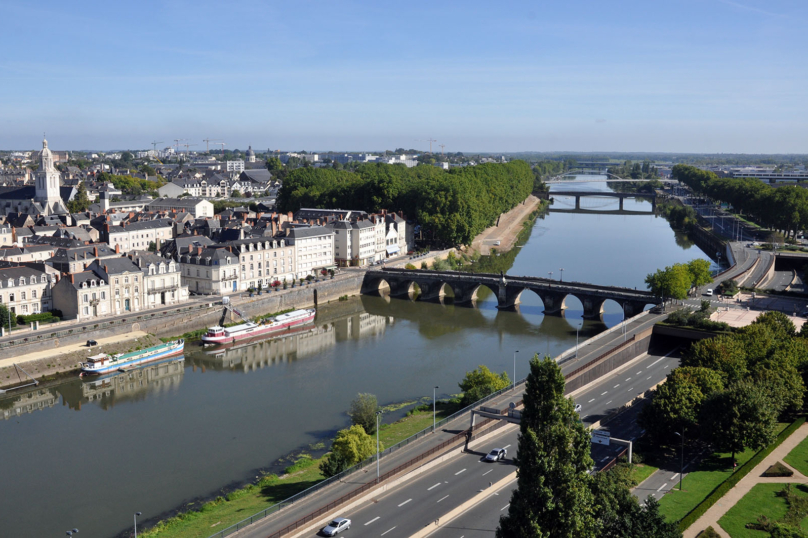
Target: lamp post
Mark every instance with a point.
(514, 368)
(562, 275)
(135, 517)
(433, 407)
(378, 415)
(71, 533)
(577, 329)
(551, 275)
(682, 459)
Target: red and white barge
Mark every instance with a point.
(249, 330)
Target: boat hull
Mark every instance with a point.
(177, 349)
(258, 331)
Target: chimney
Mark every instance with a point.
(95, 251)
(105, 269)
(71, 279)
(106, 227)
(117, 249)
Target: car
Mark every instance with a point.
(709, 292)
(337, 526)
(91, 343)
(578, 408)
(496, 455)
(497, 243)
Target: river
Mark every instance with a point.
(90, 454)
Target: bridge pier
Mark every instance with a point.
(632, 308)
(577, 202)
(432, 291)
(621, 203)
(465, 294)
(553, 302)
(593, 307)
(400, 288)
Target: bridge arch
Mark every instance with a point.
(470, 294)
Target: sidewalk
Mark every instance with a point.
(510, 224)
(711, 517)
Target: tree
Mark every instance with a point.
(363, 412)
(699, 272)
(481, 382)
(740, 417)
(553, 495)
(274, 164)
(235, 194)
(333, 464)
(152, 246)
(80, 202)
(723, 353)
(354, 445)
(672, 282)
(4, 315)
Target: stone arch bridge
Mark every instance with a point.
(508, 290)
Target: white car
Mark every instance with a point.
(497, 243)
(337, 526)
(578, 408)
(709, 293)
(496, 455)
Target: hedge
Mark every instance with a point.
(735, 477)
(44, 316)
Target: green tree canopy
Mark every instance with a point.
(481, 382)
(673, 282)
(553, 495)
(80, 202)
(363, 412)
(724, 353)
(354, 445)
(699, 270)
(274, 164)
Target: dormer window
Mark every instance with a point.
(83, 284)
(22, 281)
(44, 279)
(92, 283)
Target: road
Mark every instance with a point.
(429, 497)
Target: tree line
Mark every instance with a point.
(451, 206)
(634, 170)
(783, 208)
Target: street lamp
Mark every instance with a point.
(71, 533)
(378, 415)
(682, 460)
(137, 514)
(433, 407)
(514, 368)
(562, 274)
(577, 329)
(551, 275)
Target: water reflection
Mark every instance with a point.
(27, 402)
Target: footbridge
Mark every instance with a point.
(508, 290)
(621, 195)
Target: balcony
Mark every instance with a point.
(160, 289)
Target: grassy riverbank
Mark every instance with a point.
(200, 520)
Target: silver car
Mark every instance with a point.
(337, 526)
(496, 455)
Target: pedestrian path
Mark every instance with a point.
(715, 512)
(70, 348)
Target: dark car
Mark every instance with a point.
(91, 343)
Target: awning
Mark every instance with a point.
(392, 249)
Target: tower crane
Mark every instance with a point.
(430, 140)
(207, 142)
(221, 144)
(441, 149)
(187, 146)
(154, 145)
(177, 143)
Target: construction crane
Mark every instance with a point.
(221, 144)
(154, 144)
(177, 143)
(187, 146)
(441, 149)
(430, 140)
(207, 142)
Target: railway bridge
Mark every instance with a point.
(508, 290)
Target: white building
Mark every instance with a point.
(197, 207)
(314, 249)
(139, 235)
(235, 166)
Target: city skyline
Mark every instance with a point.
(699, 77)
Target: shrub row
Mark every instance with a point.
(44, 316)
(733, 479)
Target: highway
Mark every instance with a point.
(417, 503)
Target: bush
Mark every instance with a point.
(709, 532)
(409, 266)
(778, 469)
(424, 265)
(44, 316)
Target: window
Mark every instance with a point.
(22, 281)
(23, 295)
(117, 293)
(116, 281)
(33, 294)
(86, 311)
(25, 309)
(44, 279)
(103, 296)
(10, 297)
(85, 298)
(126, 280)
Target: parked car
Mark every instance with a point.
(497, 243)
(91, 343)
(496, 455)
(578, 408)
(709, 292)
(337, 526)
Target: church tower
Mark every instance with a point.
(47, 179)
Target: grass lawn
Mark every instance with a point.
(711, 471)
(760, 500)
(798, 457)
(200, 521)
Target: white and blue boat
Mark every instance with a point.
(105, 363)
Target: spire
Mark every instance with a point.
(44, 141)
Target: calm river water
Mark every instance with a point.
(90, 454)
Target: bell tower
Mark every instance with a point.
(47, 178)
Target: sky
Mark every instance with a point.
(704, 76)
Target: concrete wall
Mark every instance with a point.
(616, 359)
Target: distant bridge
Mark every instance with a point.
(507, 289)
(621, 195)
(609, 178)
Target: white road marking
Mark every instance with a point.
(610, 401)
(504, 507)
(372, 520)
(662, 486)
(628, 379)
(385, 532)
(439, 500)
(605, 393)
(460, 471)
(629, 390)
(647, 378)
(405, 502)
(616, 386)
(436, 485)
(674, 477)
(638, 373)
(665, 366)
(653, 363)
(590, 401)
(506, 446)
(488, 471)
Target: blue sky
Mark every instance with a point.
(679, 76)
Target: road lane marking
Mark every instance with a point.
(439, 500)
(372, 520)
(488, 471)
(460, 471)
(385, 532)
(665, 366)
(629, 390)
(506, 446)
(605, 393)
(638, 373)
(433, 487)
(590, 401)
(504, 507)
(674, 477)
(656, 361)
(628, 379)
(610, 401)
(405, 502)
(662, 486)
(616, 386)
(647, 378)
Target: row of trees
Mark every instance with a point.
(131, 185)
(555, 495)
(783, 208)
(731, 389)
(452, 206)
(675, 281)
(634, 170)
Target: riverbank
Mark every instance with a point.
(507, 228)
